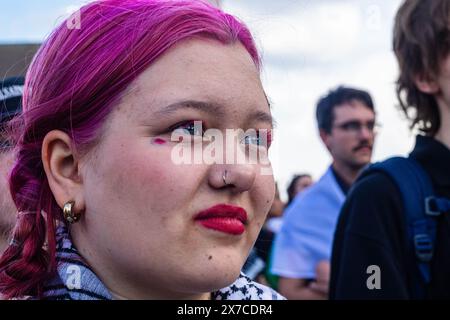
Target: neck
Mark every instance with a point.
(122, 289)
(128, 287)
(443, 135)
(119, 296)
(347, 173)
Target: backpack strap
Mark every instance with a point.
(420, 207)
(434, 206)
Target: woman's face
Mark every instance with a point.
(140, 230)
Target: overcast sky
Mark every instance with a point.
(308, 47)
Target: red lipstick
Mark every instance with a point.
(224, 218)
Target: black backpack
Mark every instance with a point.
(421, 208)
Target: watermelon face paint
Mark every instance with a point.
(159, 141)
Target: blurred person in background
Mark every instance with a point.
(11, 90)
(275, 216)
(298, 184)
(302, 248)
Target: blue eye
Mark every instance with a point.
(259, 137)
(193, 128)
(252, 140)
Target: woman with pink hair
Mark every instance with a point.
(104, 210)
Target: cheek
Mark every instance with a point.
(263, 195)
(146, 179)
(149, 180)
(344, 143)
(299, 188)
(125, 175)
(445, 89)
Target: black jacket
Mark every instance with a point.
(371, 231)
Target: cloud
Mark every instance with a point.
(317, 32)
(311, 46)
(324, 33)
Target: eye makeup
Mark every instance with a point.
(269, 138)
(159, 141)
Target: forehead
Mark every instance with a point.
(355, 110)
(200, 70)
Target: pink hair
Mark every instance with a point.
(74, 82)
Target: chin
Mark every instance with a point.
(215, 277)
(366, 161)
(362, 161)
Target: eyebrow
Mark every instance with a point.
(213, 109)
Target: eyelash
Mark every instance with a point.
(189, 125)
(186, 126)
(260, 137)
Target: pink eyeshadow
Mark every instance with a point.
(159, 141)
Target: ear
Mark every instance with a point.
(426, 83)
(61, 165)
(325, 136)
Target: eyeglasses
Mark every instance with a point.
(356, 126)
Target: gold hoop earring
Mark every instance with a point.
(69, 213)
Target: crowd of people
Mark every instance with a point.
(378, 231)
(93, 206)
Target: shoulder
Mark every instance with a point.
(246, 289)
(370, 231)
(374, 186)
(323, 200)
(313, 196)
(324, 184)
(373, 203)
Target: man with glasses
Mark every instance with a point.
(10, 105)
(302, 249)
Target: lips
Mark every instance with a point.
(223, 218)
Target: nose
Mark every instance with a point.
(235, 172)
(236, 177)
(366, 133)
